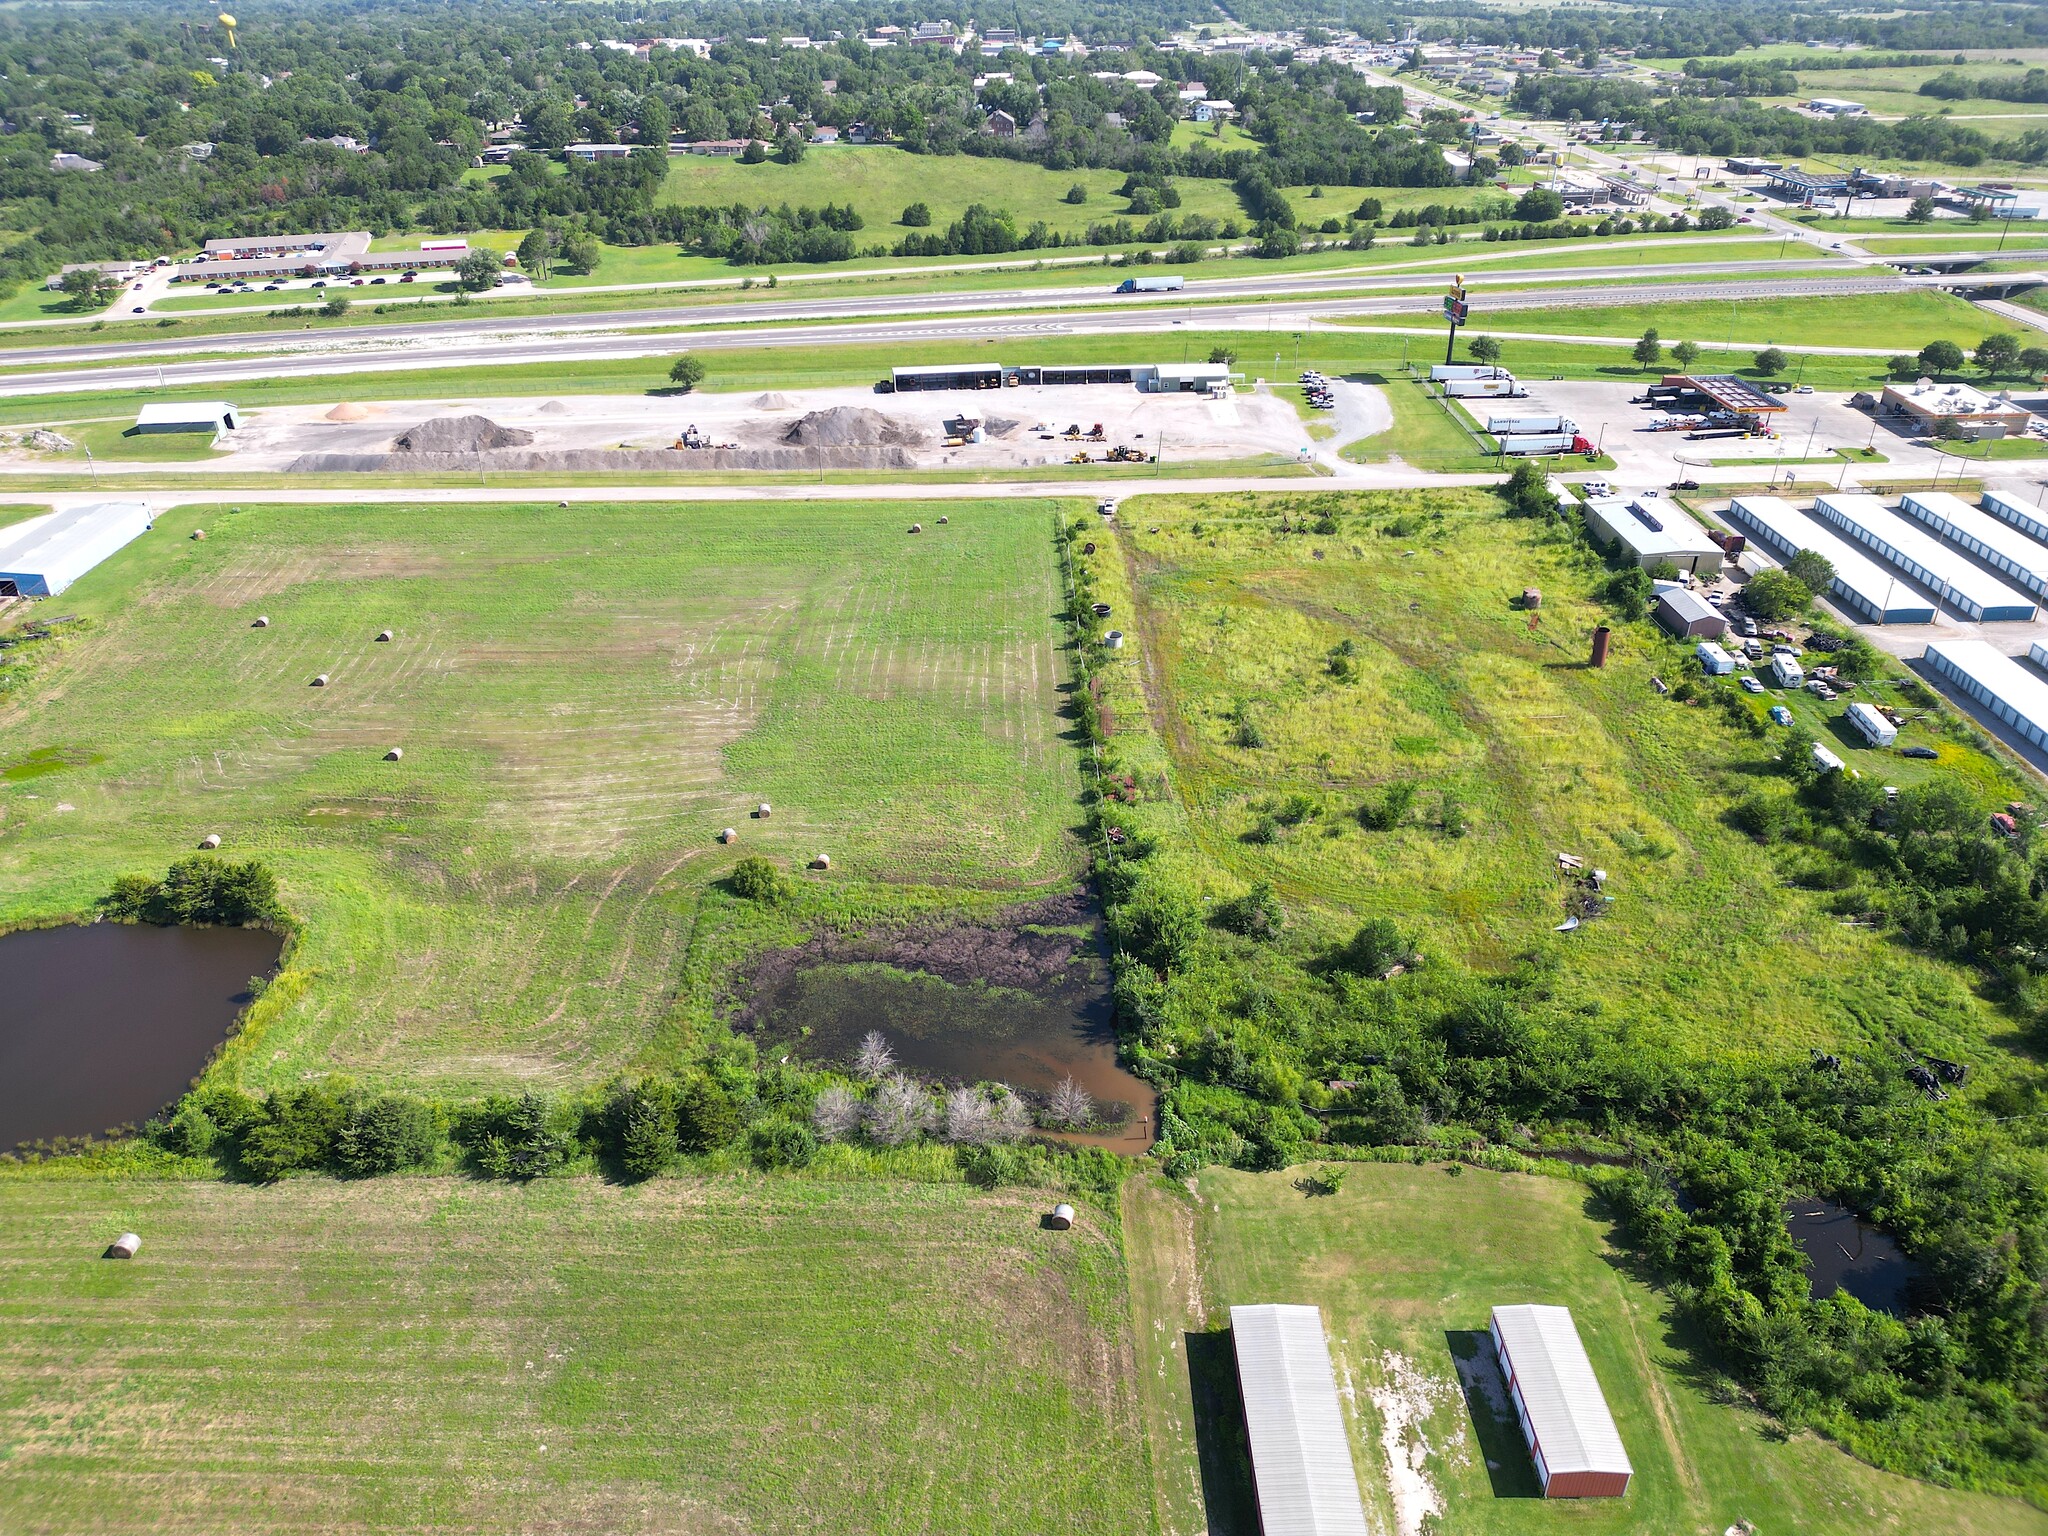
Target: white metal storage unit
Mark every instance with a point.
(1564, 1417)
(2031, 521)
(1301, 1457)
(1653, 535)
(1976, 593)
(1860, 584)
(43, 556)
(1993, 679)
(1997, 543)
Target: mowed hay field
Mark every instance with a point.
(583, 697)
(1406, 1264)
(1709, 945)
(725, 1356)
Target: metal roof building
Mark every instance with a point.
(1993, 679)
(2031, 521)
(1997, 544)
(1301, 1456)
(1977, 593)
(43, 556)
(1654, 534)
(215, 416)
(1564, 1417)
(1860, 584)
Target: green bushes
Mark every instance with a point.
(755, 879)
(386, 1133)
(200, 890)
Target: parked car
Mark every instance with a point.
(1751, 685)
(1926, 752)
(140, 309)
(1685, 485)
(1804, 389)
(1747, 629)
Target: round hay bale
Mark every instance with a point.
(211, 840)
(383, 636)
(942, 522)
(917, 527)
(763, 811)
(394, 754)
(262, 621)
(822, 861)
(563, 504)
(126, 1246)
(1062, 1217)
(320, 681)
(199, 535)
(729, 835)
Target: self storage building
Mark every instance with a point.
(1301, 1456)
(1975, 592)
(43, 556)
(1861, 585)
(1563, 1416)
(1987, 676)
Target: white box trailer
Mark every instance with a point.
(1151, 285)
(1488, 389)
(1511, 426)
(1441, 371)
(1544, 442)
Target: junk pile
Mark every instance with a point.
(1585, 894)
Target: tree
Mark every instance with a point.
(789, 149)
(1921, 212)
(752, 879)
(898, 1112)
(1225, 355)
(706, 1116)
(836, 1113)
(1998, 353)
(970, 1118)
(581, 253)
(1717, 218)
(2034, 361)
(548, 126)
(686, 373)
(88, 288)
(1375, 949)
(536, 251)
(336, 305)
(1069, 1107)
(1484, 349)
(1539, 205)
(385, 1134)
(1811, 569)
(1648, 350)
(1527, 490)
(656, 122)
(478, 270)
(1904, 366)
(642, 1123)
(754, 154)
(917, 216)
(874, 1058)
(1769, 361)
(1775, 594)
(1939, 357)
(1077, 194)
(1685, 354)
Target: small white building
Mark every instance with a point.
(210, 416)
(1717, 661)
(1301, 1455)
(43, 556)
(1563, 1415)
(1876, 730)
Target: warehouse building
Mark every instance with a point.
(1564, 1418)
(1974, 592)
(2006, 690)
(43, 556)
(209, 416)
(1152, 378)
(1653, 536)
(1926, 406)
(2029, 520)
(1301, 1456)
(1861, 586)
(1997, 544)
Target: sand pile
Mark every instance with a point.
(553, 408)
(854, 426)
(461, 434)
(773, 401)
(350, 412)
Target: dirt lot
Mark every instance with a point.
(1024, 427)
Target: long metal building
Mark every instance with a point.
(1301, 1457)
(1564, 1418)
(1860, 584)
(1985, 674)
(2032, 521)
(1976, 593)
(1997, 543)
(43, 556)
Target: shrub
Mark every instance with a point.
(384, 1134)
(898, 1112)
(755, 879)
(202, 889)
(515, 1138)
(836, 1114)
(640, 1124)
(917, 216)
(782, 1145)
(1769, 361)
(707, 1116)
(299, 1130)
(1388, 809)
(1256, 914)
(1375, 949)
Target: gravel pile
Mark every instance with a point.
(461, 434)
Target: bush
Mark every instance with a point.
(640, 1126)
(385, 1134)
(1375, 949)
(1387, 810)
(1256, 914)
(200, 890)
(1769, 361)
(299, 1130)
(755, 879)
(782, 1145)
(917, 216)
(515, 1138)
(707, 1116)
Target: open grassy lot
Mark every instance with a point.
(584, 698)
(1458, 693)
(1406, 1263)
(687, 1356)
(881, 181)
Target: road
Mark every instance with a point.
(513, 342)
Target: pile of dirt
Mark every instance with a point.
(608, 460)
(351, 412)
(773, 401)
(1000, 426)
(461, 434)
(553, 408)
(854, 426)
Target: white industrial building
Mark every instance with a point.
(1654, 535)
(1860, 584)
(1564, 1418)
(1301, 1456)
(43, 556)
(213, 416)
(2029, 520)
(1997, 544)
(1875, 729)
(2005, 689)
(1976, 593)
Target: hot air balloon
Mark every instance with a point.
(229, 22)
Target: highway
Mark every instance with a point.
(1281, 305)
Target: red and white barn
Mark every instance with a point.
(1564, 1417)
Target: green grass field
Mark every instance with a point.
(584, 698)
(735, 1354)
(1406, 1263)
(1459, 692)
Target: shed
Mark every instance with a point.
(214, 416)
(1564, 1418)
(43, 556)
(1301, 1457)
(1876, 730)
(1688, 614)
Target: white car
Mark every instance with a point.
(1751, 685)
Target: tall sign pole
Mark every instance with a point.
(1455, 309)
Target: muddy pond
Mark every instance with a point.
(1025, 1002)
(105, 1025)
(1846, 1253)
